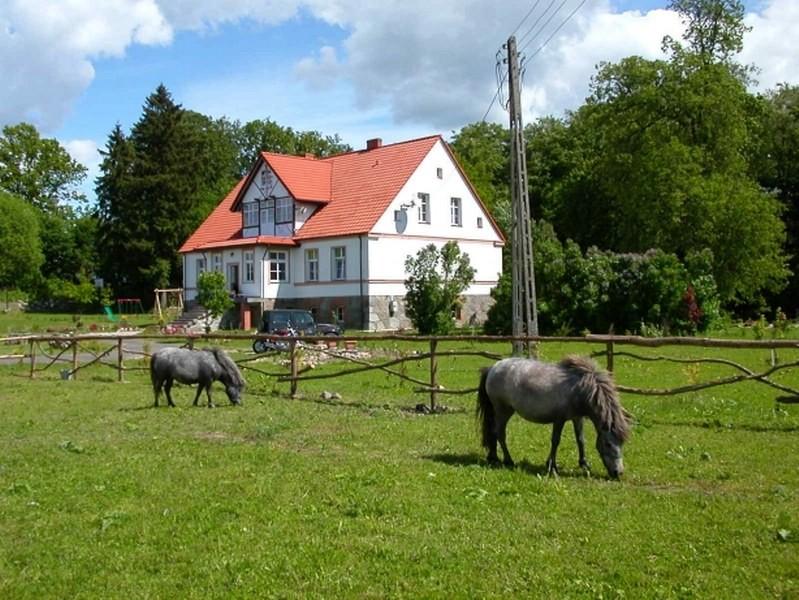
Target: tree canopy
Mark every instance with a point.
(38, 170)
(20, 245)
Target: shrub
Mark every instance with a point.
(599, 290)
(436, 279)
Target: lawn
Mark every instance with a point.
(103, 496)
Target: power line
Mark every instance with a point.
(529, 12)
(494, 99)
(558, 28)
(537, 21)
(543, 27)
(500, 84)
(501, 80)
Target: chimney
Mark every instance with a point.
(373, 143)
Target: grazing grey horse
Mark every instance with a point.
(202, 367)
(543, 392)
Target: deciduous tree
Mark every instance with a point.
(38, 170)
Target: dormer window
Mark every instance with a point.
(250, 210)
(284, 212)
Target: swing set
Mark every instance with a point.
(169, 301)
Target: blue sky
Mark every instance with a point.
(358, 68)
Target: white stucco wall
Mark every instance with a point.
(228, 256)
(387, 263)
(390, 243)
(450, 185)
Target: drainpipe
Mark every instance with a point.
(364, 315)
(264, 278)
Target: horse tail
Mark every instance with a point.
(485, 412)
(598, 391)
(229, 367)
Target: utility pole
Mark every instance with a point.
(525, 313)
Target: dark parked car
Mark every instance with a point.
(290, 321)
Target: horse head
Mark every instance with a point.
(233, 393)
(609, 446)
(230, 376)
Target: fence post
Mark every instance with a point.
(294, 368)
(120, 366)
(33, 358)
(74, 359)
(190, 343)
(433, 373)
(609, 355)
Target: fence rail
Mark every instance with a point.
(76, 346)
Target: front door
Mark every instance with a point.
(233, 277)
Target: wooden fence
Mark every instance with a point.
(44, 351)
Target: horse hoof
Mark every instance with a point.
(509, 463)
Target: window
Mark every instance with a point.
(312, 264)
(339, 313)
(278, 266)
(339, 255)
(200, 266)
(283, 211)
(424, 207)
(268, 214)
(479, 222)
(440, 173)
(455, 212)
(249, 266)
(217, 263)
(250, 214)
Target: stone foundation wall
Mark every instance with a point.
(382, 313)
(387, 313)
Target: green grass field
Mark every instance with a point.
(103, 496)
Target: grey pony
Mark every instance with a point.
(202, 367)
(542, 392)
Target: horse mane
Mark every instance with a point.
(228, 366)
(598, 391)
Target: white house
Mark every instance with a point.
(332, 234)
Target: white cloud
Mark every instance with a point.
(771, 45)
(208, 14)
(558, 77)
(322, 72)
(85, 152)
(46, 49)
(416, 63)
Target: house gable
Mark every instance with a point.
(363, 184)
(452, 209)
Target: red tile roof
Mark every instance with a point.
(355, 189)
(364, 184)
(305, 178)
